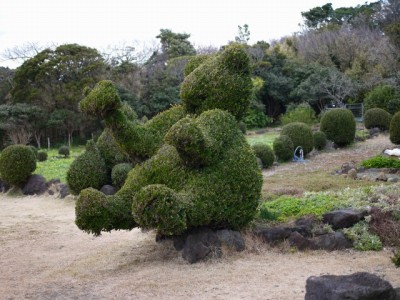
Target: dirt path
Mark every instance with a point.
(43, 255)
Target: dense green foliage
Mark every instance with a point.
(42, 156)
(319, 140)
(109, 150)
(17, 162)
(395, 129)
(385, 97)
(119, 174)
(283, 148)
(301, 113)
(381, 162)
(88, 170)
(265, 153)
(300, 134)
(339, 126)
(362, 239)
(221, 82)
(396, 258)
(64, 150)
(256, 119)
(194, 62)
(377, 117)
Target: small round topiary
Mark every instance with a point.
(283, 148)
(17, 162)
(265, 153)
(42, 156)
(395, 129)
(88, 170)
(64, 150)
(119, 173)
(339, 126)
(319, 140)
(300, 134)
(377, 117)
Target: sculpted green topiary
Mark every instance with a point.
(119, 174)
(221, 82)
(300, 134)
(339, 126)
(200, 171)
(42, 156)
(109, 150)
(17, 163)
(283, 148)
(194, 62)
(265, 153)
(377, 117)
(319, 140)
(64, 150)
(395, 129)
(88, 170)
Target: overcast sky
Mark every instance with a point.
(99, 23)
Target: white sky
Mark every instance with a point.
(100, 23)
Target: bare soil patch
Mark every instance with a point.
(43, 255)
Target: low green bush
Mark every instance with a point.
(302, 113)
(381, 162)
(42, 156)
(283, 148)
(265, 153)
(377, 117)
(64, 150)
(300, 134)
(339, 126)
(285, 208)
(17, 162)
(395, 129)
(256, 119)
(362, 239)
(319, 140)
(119, 173)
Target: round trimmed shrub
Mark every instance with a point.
(395, 129)
(42, 156)
(319, 140)
(283, 148)
(339, 126)
(377, 117)
(300, 134)
(265, 153)
(119, 173)
(64, 150)
(17, 163)
(88, 170)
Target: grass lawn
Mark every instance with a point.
(56, 166)
(264, 138)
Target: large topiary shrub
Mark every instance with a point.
(300, 134)
(111, 153)
(17, 163)
(283, 148)
(377, 117)
(265, 153)
(220, 82)
(201, 170)
(319, 140)
(119, 174)
(339, 126)
(88, 170)
(395, 129)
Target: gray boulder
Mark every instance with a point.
(360, 286)
(231, 239)
(201, 243)
(108, 190)
(36, 185)
(343, 218)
